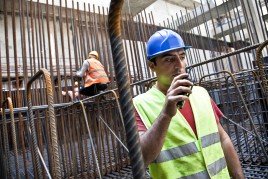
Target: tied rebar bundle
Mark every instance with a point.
(133, 144)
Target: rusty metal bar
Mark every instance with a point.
(135, 155)
(37, 40)
(245, 107)
(7, 172)
(91, 141)
(14, 137)
(15, 55)
(55, 165)
(81, 40)
(127, 55)
(59, 88)
(102, 44)
(260, 65)
(74, 36)
(7, 48)
(62, 48)
(68, 44)
(87, 31)
(1, 78)
(254, 46)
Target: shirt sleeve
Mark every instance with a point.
(139, 122)
(217, 111)
(83, 69)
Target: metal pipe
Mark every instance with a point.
(114, 21)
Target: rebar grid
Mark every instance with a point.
(240, 98)
(31, 29)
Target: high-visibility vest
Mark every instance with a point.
(183, 155)
(95, 73)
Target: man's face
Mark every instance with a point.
(169, 65)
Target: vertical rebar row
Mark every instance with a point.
(7, 47)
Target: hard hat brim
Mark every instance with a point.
(168, 50)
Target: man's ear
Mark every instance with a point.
(151, 65)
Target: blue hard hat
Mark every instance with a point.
(162, 41)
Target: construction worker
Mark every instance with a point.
(181, 143)
(93, 74)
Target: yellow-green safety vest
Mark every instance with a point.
(183, 155)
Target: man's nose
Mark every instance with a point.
(178, 61)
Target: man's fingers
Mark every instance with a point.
(181, 76)
(176, 99)
(181, 90)
(183, 82)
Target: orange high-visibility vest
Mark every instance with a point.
(95, 73)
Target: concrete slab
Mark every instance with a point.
(201, 14)
(229, 28)
(190, 4)
(136, 6)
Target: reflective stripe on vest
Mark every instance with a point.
(216, 166)
(210, 139)
(213, 168)
(200, 175)
(176, 152)
(186, 149)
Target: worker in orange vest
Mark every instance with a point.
(93, 74)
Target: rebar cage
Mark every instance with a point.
(90, 135)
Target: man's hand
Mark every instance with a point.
(177, 92)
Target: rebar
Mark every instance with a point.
(56, 172)
(114, 22)
(260, 64)
(13, 129)
(245, 107)
(29, 43)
